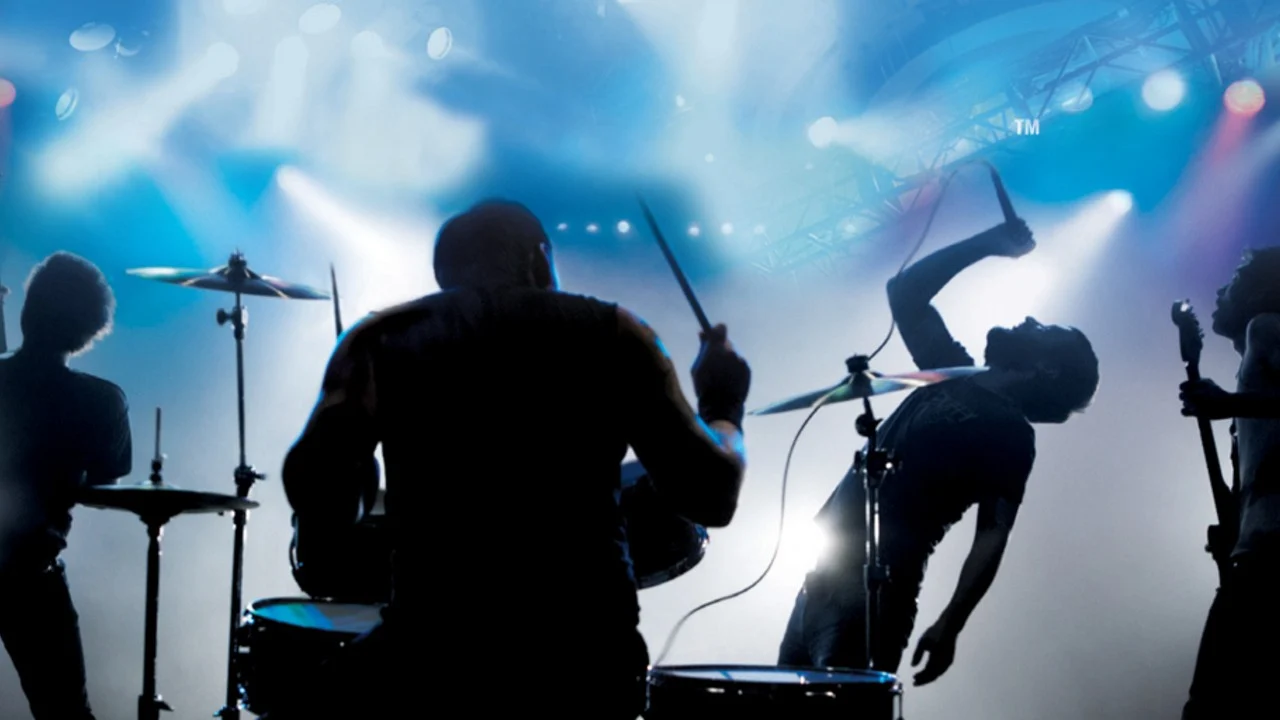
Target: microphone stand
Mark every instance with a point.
(4, 335)
(873, 465)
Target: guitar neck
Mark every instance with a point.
(1223, 500)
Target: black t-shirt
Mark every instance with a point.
(503, 418)
(59, 430)
(956, 444)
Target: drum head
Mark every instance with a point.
(686, 692)
(345, 618)
(767, 675)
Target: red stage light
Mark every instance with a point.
(1245, 97)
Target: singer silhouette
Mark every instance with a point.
(961, 443)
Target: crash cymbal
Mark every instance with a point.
(869, 384)
(234, 277)
(150, 499)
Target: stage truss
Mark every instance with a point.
(837, 204)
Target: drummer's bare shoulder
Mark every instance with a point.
(641, 342)
(633, 327)
(368, 330)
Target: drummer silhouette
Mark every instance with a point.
(504, 409)
(59, 429)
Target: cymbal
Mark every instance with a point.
(234, 277)
(869, 384)
(148, 499)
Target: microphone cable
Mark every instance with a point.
(786, 469)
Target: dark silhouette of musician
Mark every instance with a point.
(1238, 661)
(959, 443)
(504, 408)
(59, 430)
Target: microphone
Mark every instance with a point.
(1005, 205)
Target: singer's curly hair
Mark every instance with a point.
(1260, 271)
(1254, 290)
(68, 305)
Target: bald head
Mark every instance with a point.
(496, 243)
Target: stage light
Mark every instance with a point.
(679, 101)
(593, 228)
(624, 227)
(1245, 97)
(694, 230)
(823, 132)
(562, 227)
(710, 158)
(1077, 100)
(804, 545)
(439, 43)
(92, 37)
(727, 228)
(241, 7)
(1164, 90)
(8, 93)
(67, 104)
(319, 19)
(1120, 200)
(367, 45)
(221, 60)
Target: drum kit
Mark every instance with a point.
(276, 644)
(156, 503)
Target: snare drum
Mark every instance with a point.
(746, 692)
(284, 641)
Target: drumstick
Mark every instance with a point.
(4, 334)
(675, 267)
(337, 310)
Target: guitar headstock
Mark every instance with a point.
(1190, 335)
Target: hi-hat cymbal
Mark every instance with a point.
(158, 499)
(234, 277)
(869, 384)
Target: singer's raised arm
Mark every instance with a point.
(911, 293)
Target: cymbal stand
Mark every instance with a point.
(873, 465)
(4, 335)
(149, 702)
(245, 477)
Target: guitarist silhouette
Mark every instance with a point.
(1239, 657)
